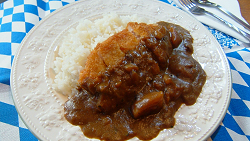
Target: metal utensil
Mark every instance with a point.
(211, 4)
(194, 9)
(245, 44)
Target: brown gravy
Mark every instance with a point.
(138, 94)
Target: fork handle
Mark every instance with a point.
(233, 17)
(246, 35)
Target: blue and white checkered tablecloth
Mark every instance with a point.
(17, 17)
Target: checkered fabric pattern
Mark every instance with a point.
(17, 17)
(237, 120)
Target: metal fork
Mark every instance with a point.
(211, 4)
(194, 9)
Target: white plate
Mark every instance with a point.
(41, 108)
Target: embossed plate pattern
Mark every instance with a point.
(41, 108)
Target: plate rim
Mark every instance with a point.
(210, 132)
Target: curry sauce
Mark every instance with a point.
(135, 81)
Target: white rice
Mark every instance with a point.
(79, 42)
